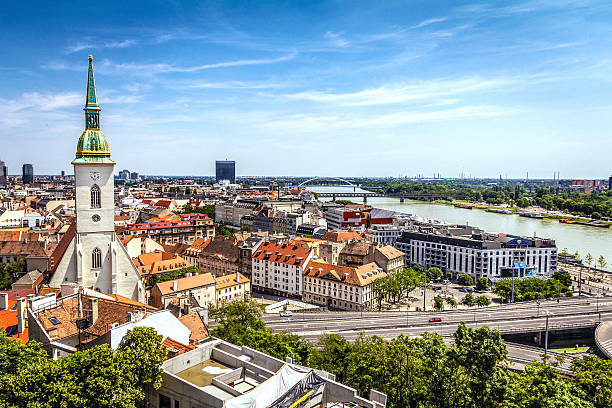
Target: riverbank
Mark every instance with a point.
(555, 215)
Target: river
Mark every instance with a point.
(581, 238)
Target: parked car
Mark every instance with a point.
(435, 319)
(285, 313)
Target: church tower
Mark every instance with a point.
(95, 258)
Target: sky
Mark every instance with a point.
(336, 88)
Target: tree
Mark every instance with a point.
(594, 376)
(564, 253)
(16, 269)
(451, 302)
(465, 280)
(576, 256)
(482, 301)
(96, 377)
(601, 262)
(483, 283)
(438, 303)
(434, 273)
(468, 300)
(222, 230)
(563, 276)
(589, 259)
(141, 349)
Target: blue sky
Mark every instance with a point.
(341, 88)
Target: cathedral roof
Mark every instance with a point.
(92, 146)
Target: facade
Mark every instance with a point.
(27, 174)
(341, 287)
(383, 234)
(225, 170)
(464, 249)
(388, 258)
(278, 268)
(343, 218)
(94, 258)
(234, 286)
(201, 287)
(356, 253)
(184, 231)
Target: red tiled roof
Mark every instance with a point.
(282, 253)
(8, 322)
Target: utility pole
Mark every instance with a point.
(512, 301)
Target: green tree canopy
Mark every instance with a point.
(465, 280)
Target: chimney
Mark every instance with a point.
(174, 286)
(22, 321)
(93, 306)
(3, 301)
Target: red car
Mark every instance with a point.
(435, 319)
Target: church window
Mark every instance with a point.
(96, 258)
(95, 197)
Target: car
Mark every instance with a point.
(435, 319)
(285, 313)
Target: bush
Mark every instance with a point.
(483, 284)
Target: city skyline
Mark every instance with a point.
(480, 89)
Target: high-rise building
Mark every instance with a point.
(63, 173)
(3, 174)
(134, 176)
(225, 170)
(94, 257)
(124, 174)
(610, 183)
(27, 172)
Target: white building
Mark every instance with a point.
(467, 250)
(95, 258)
(383, 234)
(278, 268)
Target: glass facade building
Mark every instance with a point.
(225, 170)
(27, 174)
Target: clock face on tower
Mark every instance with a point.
(95, 218)
(94, 176)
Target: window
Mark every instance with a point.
(95, 196)
(96, 258)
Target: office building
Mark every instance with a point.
(460, 249)
(225, 170)
(124, 174)
(3, 174)
(27, 174)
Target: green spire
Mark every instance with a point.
(92, 146)
(92, 100)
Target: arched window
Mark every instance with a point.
(95, 196)
(96, 258)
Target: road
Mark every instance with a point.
(519, 317)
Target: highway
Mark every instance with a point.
(519, 317)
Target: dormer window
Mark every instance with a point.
(95, 196)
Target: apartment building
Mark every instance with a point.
(461, 249)
(278, 268)
(341, 287)
(202, 287)
(233, 286)
(185, 230)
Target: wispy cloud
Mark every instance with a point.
(149, 69)
(336, 39)
(406, 92)
(236, 85)
(430, 21)
(93, 45)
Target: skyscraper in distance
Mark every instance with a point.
(225, 170)
(27, 173)
(3, 174)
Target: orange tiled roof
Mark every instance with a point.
(129, 301)
(226, 281)
(189, 282)
(175, 348)
(159, 262)
(194, 322)
(359, 276)
(341, 236)
(8, 322)
(282, 253)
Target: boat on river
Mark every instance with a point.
(566, 221)
(498, 211)
(465, 206)
(531, 215)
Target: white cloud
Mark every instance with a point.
(336, 39)
(430, 21)
(80, 46)
(405, 92)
